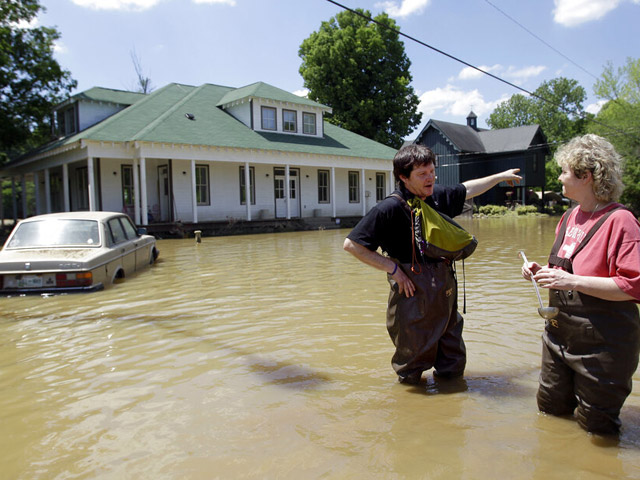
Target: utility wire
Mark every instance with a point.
(424, 44)
(540, 39)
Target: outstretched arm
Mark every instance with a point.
(478, 186)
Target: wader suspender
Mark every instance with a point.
(566, 263)
(414, 257)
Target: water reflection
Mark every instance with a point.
(267, 356)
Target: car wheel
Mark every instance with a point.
(153, 254)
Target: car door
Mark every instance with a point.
(140, 243)
(124, 246)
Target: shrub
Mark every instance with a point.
(492, 210)
(527, 210)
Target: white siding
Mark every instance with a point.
(90, 113)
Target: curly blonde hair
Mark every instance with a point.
(591, 153)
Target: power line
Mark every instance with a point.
(540, 39)
(495, 77)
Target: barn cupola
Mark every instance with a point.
(472, 120)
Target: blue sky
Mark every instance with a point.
(239, 42)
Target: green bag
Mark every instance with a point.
(438, 236)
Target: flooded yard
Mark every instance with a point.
(266, 356)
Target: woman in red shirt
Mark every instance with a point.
(590, 350)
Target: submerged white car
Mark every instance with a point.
(73, 252)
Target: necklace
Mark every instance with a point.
(594, 211)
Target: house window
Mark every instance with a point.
(66, 121)
(82, 184)
(56, 191)
(269, 118)
(278, 184)
(323, 186)
(127, 185)
(380, 189)
(289, 121)
(354, 187)
(252, 186)
(309, 123)
(202, 185)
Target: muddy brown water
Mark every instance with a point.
(266, 356)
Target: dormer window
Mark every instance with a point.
(268, 115)
(289, 121)
(66, 121)
(309, 123)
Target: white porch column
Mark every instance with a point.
(392, 183)
(36, 191)
(47, 191)
(247, 190)
(363, 199)
(333, 192)
(143, 190)
(194, 198)
(65, 187)
(91, 184)
(287, 190)
(136, 192)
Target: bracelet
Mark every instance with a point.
(394, 270)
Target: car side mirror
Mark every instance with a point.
(142, 231)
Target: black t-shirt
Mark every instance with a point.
(388, 225)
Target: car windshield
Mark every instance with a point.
(55, 233)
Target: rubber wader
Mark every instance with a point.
(590, 352)
(426, 328)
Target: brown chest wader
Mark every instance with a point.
(590, 351)
(426, 328)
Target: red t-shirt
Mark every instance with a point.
(614, 250)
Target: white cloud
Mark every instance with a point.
(452, 101)
(406, 7)
(59, 47)
(574, 12)
(27, 25)
(468, 73)
(231, 3)
(302, 92)
(134, 5)
(524, 73)
(595, 107)
(518, 74)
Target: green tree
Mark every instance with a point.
(31, 80)
(359, 68)
(557, 107)
(619, 122)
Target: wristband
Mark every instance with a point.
(394, 270)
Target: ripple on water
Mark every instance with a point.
(267, 356)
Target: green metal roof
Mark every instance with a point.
(108, 95)
(263, 90)
(161, 117)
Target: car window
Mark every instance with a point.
(129, 229)
(117, 232)
(55, 233)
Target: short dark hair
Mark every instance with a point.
(410, 157)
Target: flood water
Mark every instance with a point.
(266, 356)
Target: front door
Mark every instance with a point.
(280, 192)
(164, 193)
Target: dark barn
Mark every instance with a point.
(465, 152)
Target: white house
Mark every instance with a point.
(196, 154)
